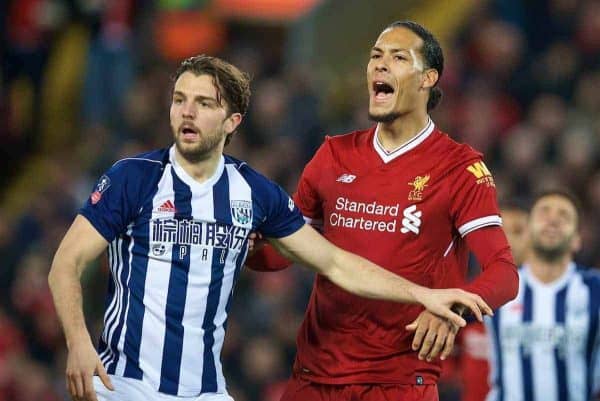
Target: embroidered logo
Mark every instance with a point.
(418, 184)
(411, 221)
(101, 187)
(167, 207)
(241, 211)
(346, 178)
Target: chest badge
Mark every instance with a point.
(418, 184)
(241, 211)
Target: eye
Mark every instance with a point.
(177, 100)
(400, 57)
(375, 56)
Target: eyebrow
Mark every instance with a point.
(197, 97)
(395, 50)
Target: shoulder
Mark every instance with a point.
(590, 276)
(457, 159)
(258, 182)
(245, 170)
(143, 163)
(348, 140)
(343, 147)
(267, 194)
(455, 152)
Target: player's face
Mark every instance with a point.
(514, 223)
(198, 120)
(553, 227)
(395, 75)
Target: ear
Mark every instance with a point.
(430, 78)
(232, 122)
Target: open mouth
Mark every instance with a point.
(382, 90)
(189, 131)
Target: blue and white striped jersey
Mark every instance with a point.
(176, 248)
(545, 342)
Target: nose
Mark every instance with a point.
(381, 65)
(188, 110)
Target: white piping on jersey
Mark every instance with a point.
(139, 158)
(481, 222)
(388, 156)
(197, 187)
(239, 166)
(449, 248)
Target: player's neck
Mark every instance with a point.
(200, 170)
(548, 271)
(394, 134)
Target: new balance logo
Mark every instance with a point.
(412, 220)
(346, 178)
(167, 207)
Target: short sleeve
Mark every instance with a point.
(307, 196)
(282, 216)
(113, 201)
(473, 199)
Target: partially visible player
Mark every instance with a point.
(545, 342)
(473, 343)
(176, 223)
(405, 195)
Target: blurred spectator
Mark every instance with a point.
(109, 71)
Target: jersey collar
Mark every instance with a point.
(556, 284)
(189, 180)
(388, 156)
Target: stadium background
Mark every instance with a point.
(85, 82)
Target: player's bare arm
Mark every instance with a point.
(361, 277)
(81, 244)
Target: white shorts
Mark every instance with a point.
(127, 389)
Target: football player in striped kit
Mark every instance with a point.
(176, 223)
(545, 341)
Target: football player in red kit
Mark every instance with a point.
(406, 196)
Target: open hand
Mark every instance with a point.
(83, 361)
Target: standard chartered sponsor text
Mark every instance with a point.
(383, 224)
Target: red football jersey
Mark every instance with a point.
(407, 211)
(473, 362)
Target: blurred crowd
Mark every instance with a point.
(82, 86)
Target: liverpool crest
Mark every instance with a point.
(418, 184)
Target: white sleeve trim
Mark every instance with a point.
(473, 225)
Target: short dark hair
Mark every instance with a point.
(232, 84)
(432, 54)
(564, 193)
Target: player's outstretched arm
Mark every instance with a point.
(361, 277)
(81, 244)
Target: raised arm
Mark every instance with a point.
(361, 277)
(81, 245)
